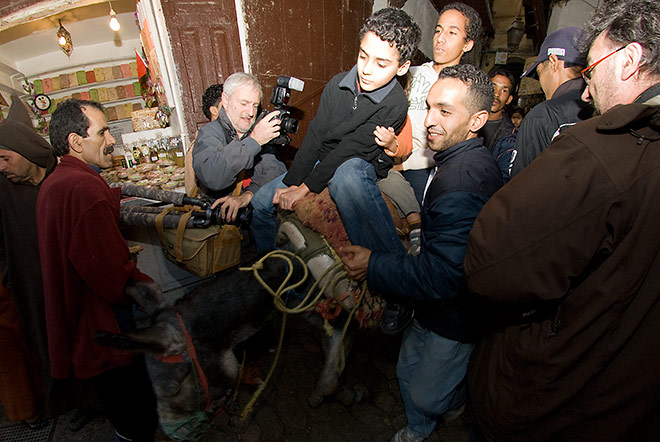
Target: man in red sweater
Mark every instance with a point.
(86, 266)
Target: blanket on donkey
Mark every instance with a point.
(319, 213)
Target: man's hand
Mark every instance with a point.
(231, 204)
(287, 197)
(266, 129)
(356, 261)
(385, 137)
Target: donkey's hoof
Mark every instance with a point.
(351, 396)
(315, 400)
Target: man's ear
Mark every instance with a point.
(213, 110)
(508, 101)
(75, 142)
(633, 61)
(403, 69)
(224, 99)
(467, 47)
(478, 120)
(553, 62)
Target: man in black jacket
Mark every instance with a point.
(557, 68)
(436, 346)
(25, 160)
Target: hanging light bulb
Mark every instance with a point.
(64, 40)
(113, 23)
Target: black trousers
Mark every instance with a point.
(129, 401)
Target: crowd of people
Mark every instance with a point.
(530, 290)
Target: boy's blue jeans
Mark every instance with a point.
(353, 188)
(431, 371)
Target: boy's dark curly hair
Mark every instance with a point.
(481, 92)
(69, 118)
(473, 27)
(396, 27)
(211, 97)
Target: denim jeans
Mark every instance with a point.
(353, 188)
(431, 371)
(264, 215)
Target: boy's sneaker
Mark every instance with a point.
(396, 317)
(404, 435)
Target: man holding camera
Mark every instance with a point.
(234, 143)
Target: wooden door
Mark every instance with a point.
(308, 39)
(206, 49)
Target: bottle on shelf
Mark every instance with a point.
(146, 154)
(137, 155)
(162, 149)
(130, 159)
(176, 151)
(153, 152)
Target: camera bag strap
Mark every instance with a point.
(181, 228)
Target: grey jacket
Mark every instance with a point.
(219, 156)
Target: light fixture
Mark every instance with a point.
(113, 23)
(64, 40)
(515, 33)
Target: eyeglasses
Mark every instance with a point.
(586, 72)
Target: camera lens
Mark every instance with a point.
(289, 125)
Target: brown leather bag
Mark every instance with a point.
(202, 251)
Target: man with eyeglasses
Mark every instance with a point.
(568, 256)
(557, 68)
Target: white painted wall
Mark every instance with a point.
(426, 17)
(90, 55)
(94, 43)
(572, 13)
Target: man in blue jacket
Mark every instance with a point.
(437, 345)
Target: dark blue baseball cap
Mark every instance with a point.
(563, 44)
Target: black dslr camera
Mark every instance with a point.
(280, 99)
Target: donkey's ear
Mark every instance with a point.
(147, 294)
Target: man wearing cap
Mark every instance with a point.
(26, 159)
(568, 256)
(557, 68)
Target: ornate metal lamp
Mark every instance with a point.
(64, 40)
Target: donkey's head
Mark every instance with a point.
(176, 373)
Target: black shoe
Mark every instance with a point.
(396, 318)
(37, 424)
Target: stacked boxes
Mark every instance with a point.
(100, 93)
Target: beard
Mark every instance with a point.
(449, 140)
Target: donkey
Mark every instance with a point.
(189, 345)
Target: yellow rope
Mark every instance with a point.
(248, 407)
(330, 277)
